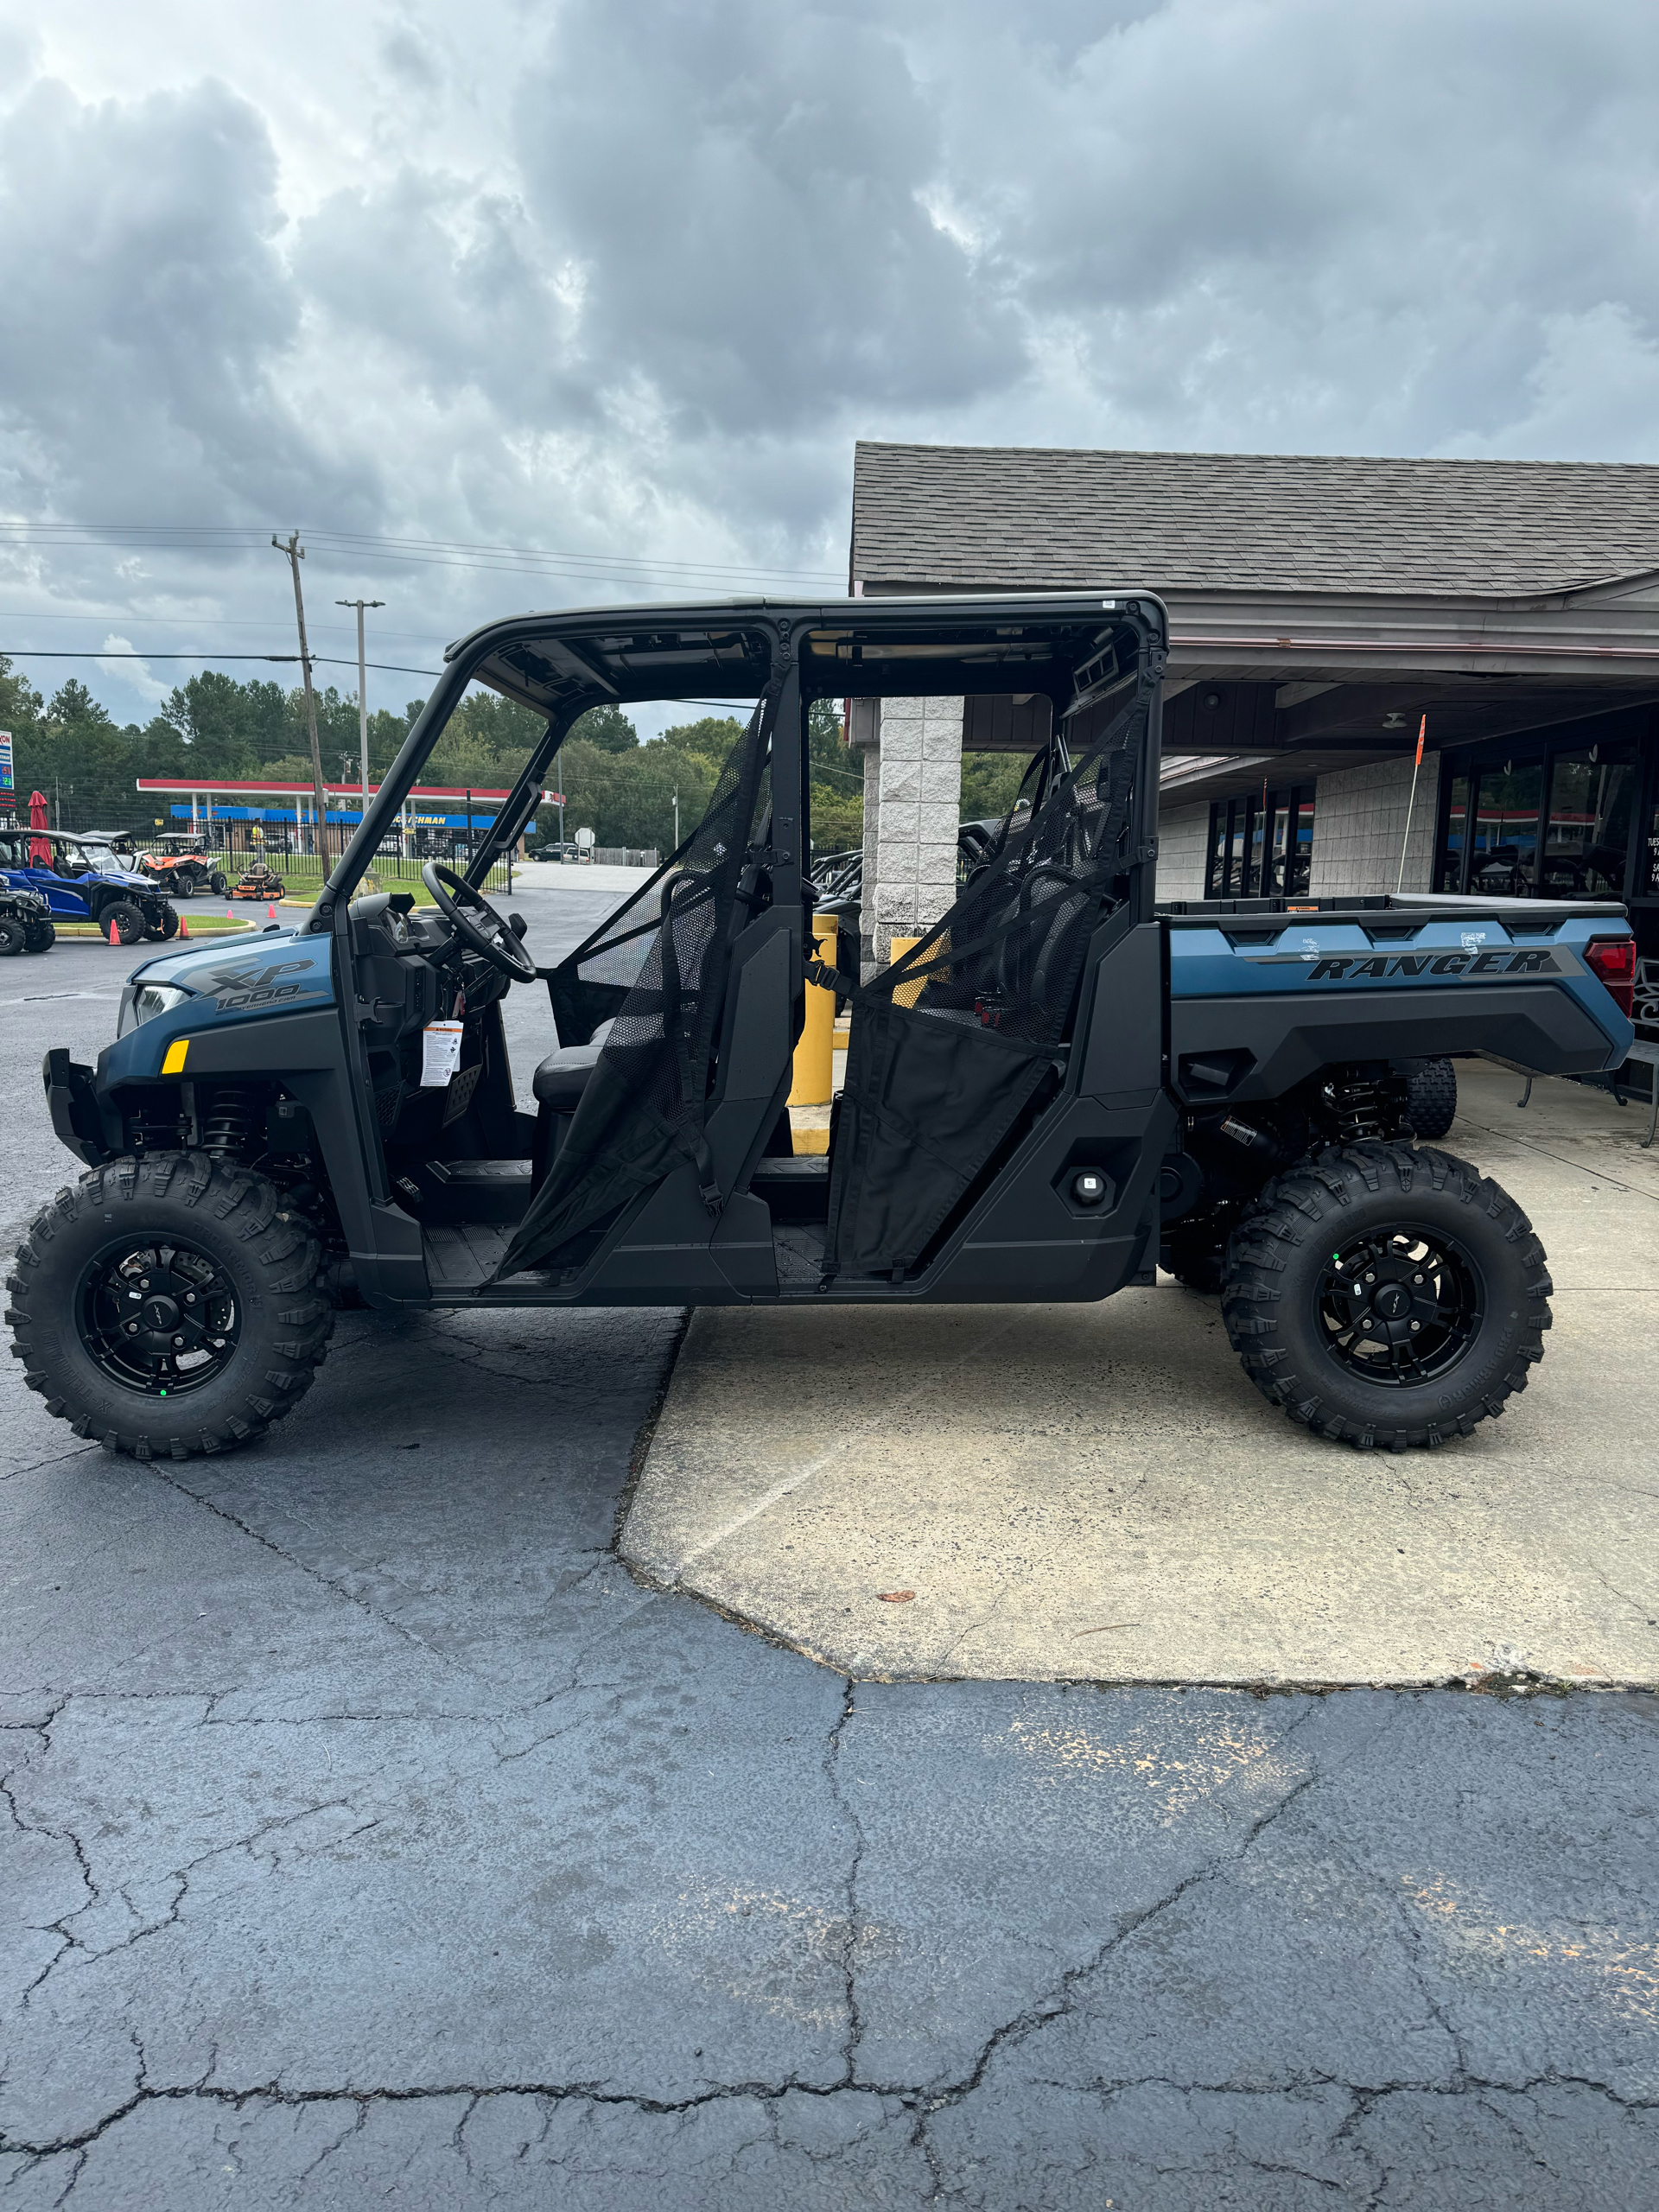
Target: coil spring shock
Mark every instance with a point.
(228, 1124)
(1357, 1106)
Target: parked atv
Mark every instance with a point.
(1059, 1085)
(182, 868)
(25, 925)
(86, 880)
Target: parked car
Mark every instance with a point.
(25, 925)
(86, 881)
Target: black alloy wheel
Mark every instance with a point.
(122, 922)
(170, 1305)
(1387, 1295)
(1402, 1307)
(161, 1319)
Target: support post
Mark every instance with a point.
(293, 553)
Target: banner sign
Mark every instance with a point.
(7, 781)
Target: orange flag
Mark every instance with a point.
(1422, 731)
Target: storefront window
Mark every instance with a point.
(1588, 837)
(1448, 873)
(1504, 843)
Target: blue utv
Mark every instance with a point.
(1057, 1086)
(86, 879)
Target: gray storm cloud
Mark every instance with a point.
(712, 242)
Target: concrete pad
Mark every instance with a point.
(1098, 1492)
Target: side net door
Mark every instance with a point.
(657, 971)
(953, 1043)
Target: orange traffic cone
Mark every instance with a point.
(184, 927)
(270, 912)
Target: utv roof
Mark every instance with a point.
(853, 648)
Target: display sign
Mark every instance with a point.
(6, 781)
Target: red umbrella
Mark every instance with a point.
(40, 852)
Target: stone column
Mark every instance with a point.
(913, 805)
(1359, 825)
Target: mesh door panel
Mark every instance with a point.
(953, 1042)
(657, 970)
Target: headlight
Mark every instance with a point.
(144, 1001)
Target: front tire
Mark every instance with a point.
(1383, 1295)
(41, 937)
(220, 882)
(13, 937)
(168, 1306)
(122, 923)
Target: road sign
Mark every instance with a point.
(7, 781)
(585, 837)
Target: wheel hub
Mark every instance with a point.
(159, 1319)
(1400, 1307)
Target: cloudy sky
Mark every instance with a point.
(620, 281)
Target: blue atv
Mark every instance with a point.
(86, 881)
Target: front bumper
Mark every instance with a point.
(72, 1101)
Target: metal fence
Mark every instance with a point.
(398, 862)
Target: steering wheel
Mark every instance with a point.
(491, 940)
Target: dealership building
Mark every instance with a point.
(1324, 611)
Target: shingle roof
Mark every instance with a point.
(982, 516)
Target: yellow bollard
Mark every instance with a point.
(810, 1084)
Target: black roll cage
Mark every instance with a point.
(560, 664)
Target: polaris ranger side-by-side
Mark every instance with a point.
(1058, 1085)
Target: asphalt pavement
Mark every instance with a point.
(375, 1836)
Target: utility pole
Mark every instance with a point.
(676, 821)
(362, 689)
(294, 553)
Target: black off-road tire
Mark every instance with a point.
(1432, 1099)
(1288, 1246)
(237, 1221)
(13, 937)
(41, 937)
(122, 922)
(219, 883)
(167, 926)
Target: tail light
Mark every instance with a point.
(1611, 960)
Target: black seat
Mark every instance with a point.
(562, 1076)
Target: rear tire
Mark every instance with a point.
(1387, 1296)
(1432, 1098)
(195, 1232)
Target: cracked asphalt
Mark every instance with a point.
(372, 1836)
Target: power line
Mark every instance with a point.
(317, 660)
(425, 551)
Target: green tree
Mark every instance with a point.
(607, 728)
